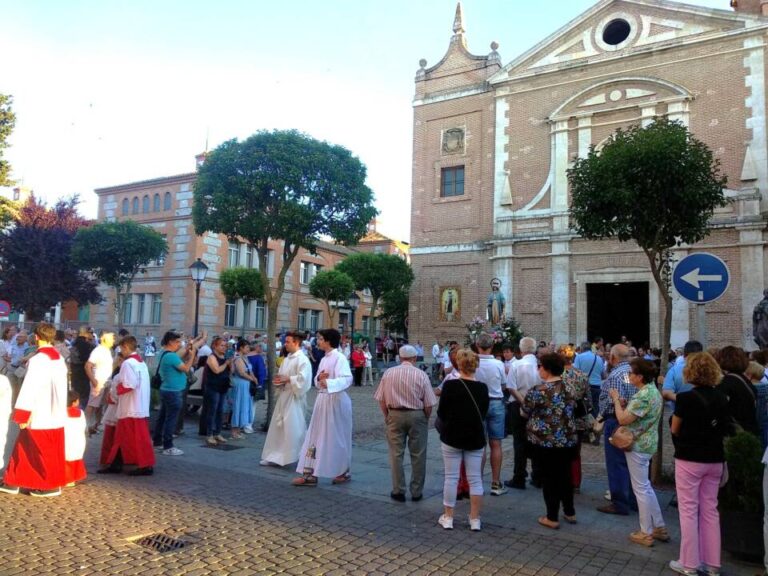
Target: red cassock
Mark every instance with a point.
(132, 439)
(37, 461)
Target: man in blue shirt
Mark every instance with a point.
(590, 363)
(674, 383)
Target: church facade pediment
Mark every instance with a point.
(620, 28)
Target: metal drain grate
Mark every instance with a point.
(161, 543)
(223, 447)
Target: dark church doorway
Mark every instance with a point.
(616, 310)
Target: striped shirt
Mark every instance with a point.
(405, 387)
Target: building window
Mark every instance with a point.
(309, 319)
(142, 299)
(452, 181)
(260, 314)
(157, 309)
(366, 324)
(145, 205)
(128, 311)
(314, 320)
(156, 203)
(160, 262)
(230, 309)
(249, 252)
(167, 201)
(126, 206)
(135, 207)
(304, 276)
(234, 254)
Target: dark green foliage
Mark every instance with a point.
(114, 252)
(394, 310)
(330, 285)
(7, 123)
(743, 490)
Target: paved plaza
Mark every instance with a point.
(239, 518)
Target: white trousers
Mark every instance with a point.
(647, 503)
(452, 458)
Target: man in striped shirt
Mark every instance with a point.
(406, 399)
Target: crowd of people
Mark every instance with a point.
(550, 399)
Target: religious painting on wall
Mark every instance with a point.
(450, 304)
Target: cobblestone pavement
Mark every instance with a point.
(239, 518)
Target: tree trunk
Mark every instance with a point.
(245, 317)
(271, 356)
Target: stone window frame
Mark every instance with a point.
(634, 31)
(156, 203)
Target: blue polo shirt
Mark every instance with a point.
(674, 382)
(590, 364)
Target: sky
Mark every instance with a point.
(110, 92)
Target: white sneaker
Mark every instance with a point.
(173, 452)
(607, 495)
(248, 430)
(446, 522)
(675, 566)
(474, 524)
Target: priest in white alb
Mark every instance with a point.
(327, 448)
(288, 426)
(37, 462)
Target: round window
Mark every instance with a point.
(616, 32)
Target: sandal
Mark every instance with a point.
(546, 522)
(342, 478)
(570, 519)
(305, 480)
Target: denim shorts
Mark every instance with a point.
(494, 421)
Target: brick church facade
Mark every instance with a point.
(492, 143)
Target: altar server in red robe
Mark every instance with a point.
(37, 462)
(132, 443)
(74, 441)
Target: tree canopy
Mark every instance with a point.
(379, 273)
(329, 285)
(240, 282)
(7, 124)
(282, 186)
(657, 186)
(115, 252)
(37, 268)
(394, 310)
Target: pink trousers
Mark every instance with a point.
(697, 485)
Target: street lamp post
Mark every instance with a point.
(353, 300)
(198, 270)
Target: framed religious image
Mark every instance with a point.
(450, 304)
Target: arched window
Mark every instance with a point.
(135, 205)
(126, 206)
(145, 205)
(167, 201)
(156, 203)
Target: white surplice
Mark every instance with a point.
(288, 426)
(327, 448)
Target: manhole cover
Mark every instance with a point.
(224, 447)
(160, 543)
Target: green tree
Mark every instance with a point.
(657, 186)
(282, 186)
(242, 283)
(115, 252)
(7, 124)
(328, 285)
(379, 273)
(37, 269)
(394, 310)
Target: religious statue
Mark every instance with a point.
(760, 322)
(496, 302)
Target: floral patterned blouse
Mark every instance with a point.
(579, 384)
(647, 405)
(550, 408)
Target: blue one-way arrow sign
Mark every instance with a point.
(701, 278)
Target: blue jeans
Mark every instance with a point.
(618, 472)
(165, 425)
(215, 402)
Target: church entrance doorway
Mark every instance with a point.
(618, 309)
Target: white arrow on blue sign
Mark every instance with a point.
(701, 278)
